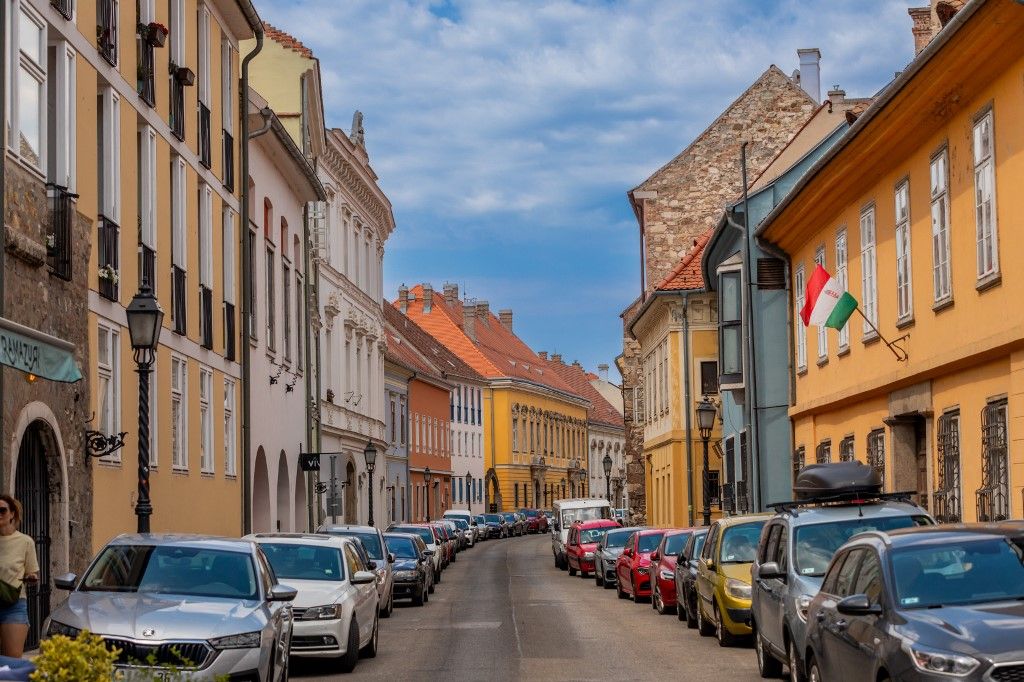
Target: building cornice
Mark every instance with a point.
(364, 192)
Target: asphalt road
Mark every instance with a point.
(503, 612)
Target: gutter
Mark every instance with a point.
(3, 203)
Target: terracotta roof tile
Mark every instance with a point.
(687, 274)
(287, 40)
(440, 358)
(601, 411)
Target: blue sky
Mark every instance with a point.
(507, 132)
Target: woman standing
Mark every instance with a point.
(18, 566)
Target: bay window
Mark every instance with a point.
(730, 329)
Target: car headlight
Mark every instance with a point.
(942, 662)
(326, 612)
(58, 628)
(246, 640)
(737, 589)
(803, 602)
(588, 555)
(406, 575)
(666, 575)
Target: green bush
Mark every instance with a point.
(83, 659)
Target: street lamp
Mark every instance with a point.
(469, 495)
(607, 464)
(706, 413)
(426, 478)
(370, 455)
(145, 318)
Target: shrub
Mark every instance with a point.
(83, 659)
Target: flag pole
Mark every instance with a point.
(899, 352)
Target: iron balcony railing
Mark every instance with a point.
(177, 108)
(229, 161)
(146, 79)
(179, 308)
(206, 317)
(204, 135)
(59, 244)
(109, 263)
(106, 30)
(229, 331)
(147, 266)
(62, 6)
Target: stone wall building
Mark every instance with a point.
(684, 199)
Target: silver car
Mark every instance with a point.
(379, 558)
(210, 607)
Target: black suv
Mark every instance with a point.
(926, 603)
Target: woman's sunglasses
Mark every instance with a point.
(4, 510)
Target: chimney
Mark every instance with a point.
(810, 72)
(505, 317)
(576, 364)
(428, 298)
(602, 371)
(836, 97)
(403, 299)
(469, 320)
(543, 355)
(451, 293)
(922, 28)
(556, 357)
(483, 309)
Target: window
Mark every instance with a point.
(868, 270)
(109, 157)
(515, 434)
(28, 99)
(846, 450)
(842, 276)
(730, 327)
(985, 196)
(299, 317)
(799, 460)
(939, 183)
(819, 258)
(205, 421)
(286, 311)
(844, 580)
(994, 494)
(823, 453)
(800, 333)
(108, 374)
(271, 299)
(106, 29)
(253, 299)
(947, 497)
(228, 279)
(876, 452)
(147, 190)
(179, 417)
(61, 95)
(869, 578)
(176, 12)
(268, 219)
(229, 428)
(904, 290)
(227, 112)
(206, 265)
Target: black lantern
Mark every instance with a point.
(145, 319)
(370, 455)
(469, 492)
(607, 464)
(706, 413)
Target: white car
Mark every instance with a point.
(336, 609)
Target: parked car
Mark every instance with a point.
(536, 522)
(582, 542)
(414, 567)
(568, 512)
(466, 516)
(456, 535)
(445, 540)
(663, 570)
(212, 606)
(468, 533)
(723, 577)
(497, 525)
(619, 514)
(929, 603)
(336, 610)
(633, 567)
(607, 553)
(429, 538)
(686, 577)
(482, 530)
(834, 502)
(380, 560)
(515, 526)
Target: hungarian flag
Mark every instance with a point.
(827, 305)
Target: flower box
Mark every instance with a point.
(156, 34)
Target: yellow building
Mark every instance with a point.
(158, 156)
(918, 209)
(534, 424)
(677, 328)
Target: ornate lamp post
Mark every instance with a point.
(606, 463)
(469, 495)
(426, 479)
(145, 318)
(706, 413)
(370, 455)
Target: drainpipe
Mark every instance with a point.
(3, 206)
(687, 410)
(247, 246)
(312, 400)
(752, 409)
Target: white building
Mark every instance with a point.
(611, 441)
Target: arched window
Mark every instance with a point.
(284, 236)
(268, 218)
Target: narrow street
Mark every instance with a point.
(504, 612)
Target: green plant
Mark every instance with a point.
(82, 659)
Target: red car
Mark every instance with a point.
(633, 568)
(663, 565)
(535, 521)
(581, 543)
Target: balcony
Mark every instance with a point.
(229, 161)
(64, 7)
(147, 266)
(106, 30)
(204, 135)
(206, 317)
(178, 303)
(177, 120)
(58, 241)
(145, 82)
(229, 331)
(109, 265)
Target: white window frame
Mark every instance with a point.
(177, 32)
(179, 395)
(230, 439)
(227, 101)
(904, 253)
(938, 172)
(24, 64)
(819, 258)
(843, 277)
(109, 370)
(228, 253)
(203, 47)
(179, 212)
(799, 283)
(300, 340)
(986, 230)
(286, 307)
(206, 458)
(62, 154)
(147, 187)
(868, 271)
(206, 236)
(270, 296)
(110, 201)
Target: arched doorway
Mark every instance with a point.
(33, 487)
(301, 517)
(493, 492)
(260, 494)
(351, 511)
(283, 498)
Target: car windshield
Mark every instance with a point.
(674, 543)
(592, 534)
(739, 543)
(371, 541)
(480, 519)
(494, 518)
(510, 517)
(424, 533)
(304, 562)
(531, 513)
(817, 543)
(189, 571)
(959, 573)
(649, 543)
(569, 516)
(617, 538)
(462, 525)
(402, 548)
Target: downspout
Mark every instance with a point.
(247, 246)
(312, 400)
(687, 402)
(3, 203)
(753, 419)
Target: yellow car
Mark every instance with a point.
(723, 577)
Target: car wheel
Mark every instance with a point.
(767, 665)
(598, 575)
(725, 638)
(370, 650)
(691, 614)
(660, 606)
(796, 671)
(618, 590)
(348, 661)
(421, 597)
(705, 628)
(386, 613)
(572, 571)
(680, 604)
(437, 577)
(813, 672)
(584, 574)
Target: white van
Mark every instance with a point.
(567, 512)
(473, 532)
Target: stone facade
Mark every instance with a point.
(629, 364)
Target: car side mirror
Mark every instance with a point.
(428, 552)
(372, 565)
(66, 581)
(709, 564)
(858, 605)
(362, 578)
(654, 556)
(770, 570)
(282, 593)
(627, 552)
(391, 558)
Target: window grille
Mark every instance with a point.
(994, 494)
(846, 449)
(876, 452)
(823, 453)
(947, 496)
(799, 460)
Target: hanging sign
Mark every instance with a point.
(34, 352)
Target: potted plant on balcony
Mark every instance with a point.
(183, 74)
(156, 34)
(110, 274)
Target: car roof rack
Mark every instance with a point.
(856, 497)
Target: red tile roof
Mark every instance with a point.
(687, 274)
(416, 338)
(601, 411)
(287, 40)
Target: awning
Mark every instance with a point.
(34, 352)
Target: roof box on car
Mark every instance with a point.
(836, 480)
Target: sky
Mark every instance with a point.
(506, 133)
